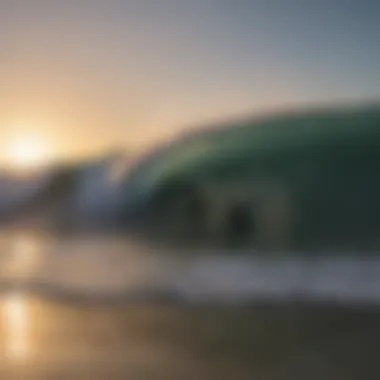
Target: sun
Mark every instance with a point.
(27, 151)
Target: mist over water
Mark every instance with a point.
(118, 268)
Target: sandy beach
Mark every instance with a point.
(42, 339)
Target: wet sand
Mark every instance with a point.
(42, 339)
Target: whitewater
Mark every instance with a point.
(118, 268)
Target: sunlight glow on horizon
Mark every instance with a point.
(132, 73)
(27, 151)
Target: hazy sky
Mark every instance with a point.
(91, 74)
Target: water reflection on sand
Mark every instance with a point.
(52, 340)
(73, 339)
(16, 322)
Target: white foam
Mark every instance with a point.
(108, 267)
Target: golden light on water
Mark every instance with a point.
(16, 324)
(26, 249)
(24, 259)
(16, 305)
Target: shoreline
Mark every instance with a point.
(66, 339)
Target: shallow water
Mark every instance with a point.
(42, 339)
(115, 267)
(48, 331)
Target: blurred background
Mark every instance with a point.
(189, 189)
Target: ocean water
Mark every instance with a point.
(46, 334)
(118, 268)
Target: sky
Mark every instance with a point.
(96, 75)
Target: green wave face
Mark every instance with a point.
(310, 180)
